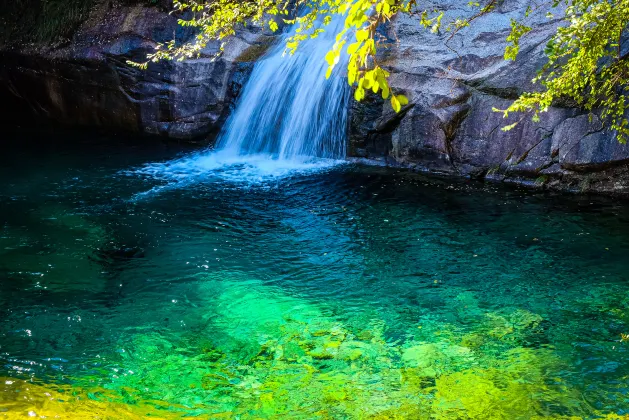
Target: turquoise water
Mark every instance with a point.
(325, 290)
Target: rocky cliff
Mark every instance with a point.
(449, 126)
(85, 79)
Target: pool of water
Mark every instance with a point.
(135, 286)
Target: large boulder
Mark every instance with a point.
(87, 81)
(454, 85)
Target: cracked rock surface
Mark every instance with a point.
(451, 127)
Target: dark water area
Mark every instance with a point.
(339, 291)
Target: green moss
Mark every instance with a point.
(254, 52)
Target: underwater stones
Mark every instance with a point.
(333, 396)
(521, 326)
(467, 305)
(23, 399)
(321, 354)
(326, 346)
(213, 381)
(293, 351)
(431, 359)
(419, 378)
(472, 341)
(212, 354)
(320, 333)
(523, 319)
(421, 356)
(297, 367)
(365, 335)
(472, 395)
(350, 352)
(512, 386)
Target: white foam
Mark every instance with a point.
(225, 167)
(289, 120)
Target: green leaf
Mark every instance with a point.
(510, 126)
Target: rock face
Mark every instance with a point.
(450, 127)
(88, 82)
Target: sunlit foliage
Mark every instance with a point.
(586, 62)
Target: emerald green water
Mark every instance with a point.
(322, 291)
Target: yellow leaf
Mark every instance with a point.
(353, 47)
(359, 94)
(362, 35)
(351, 76)
(385, 91)
(331, 58)
(395, 104)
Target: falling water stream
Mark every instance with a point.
(288, 109)
(289, 119)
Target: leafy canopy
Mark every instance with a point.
(587, 64)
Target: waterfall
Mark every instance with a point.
(288, 110)
(288, 120)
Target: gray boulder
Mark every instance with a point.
(87, 80)
(453, 87)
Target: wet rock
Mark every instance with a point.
(452, 127)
